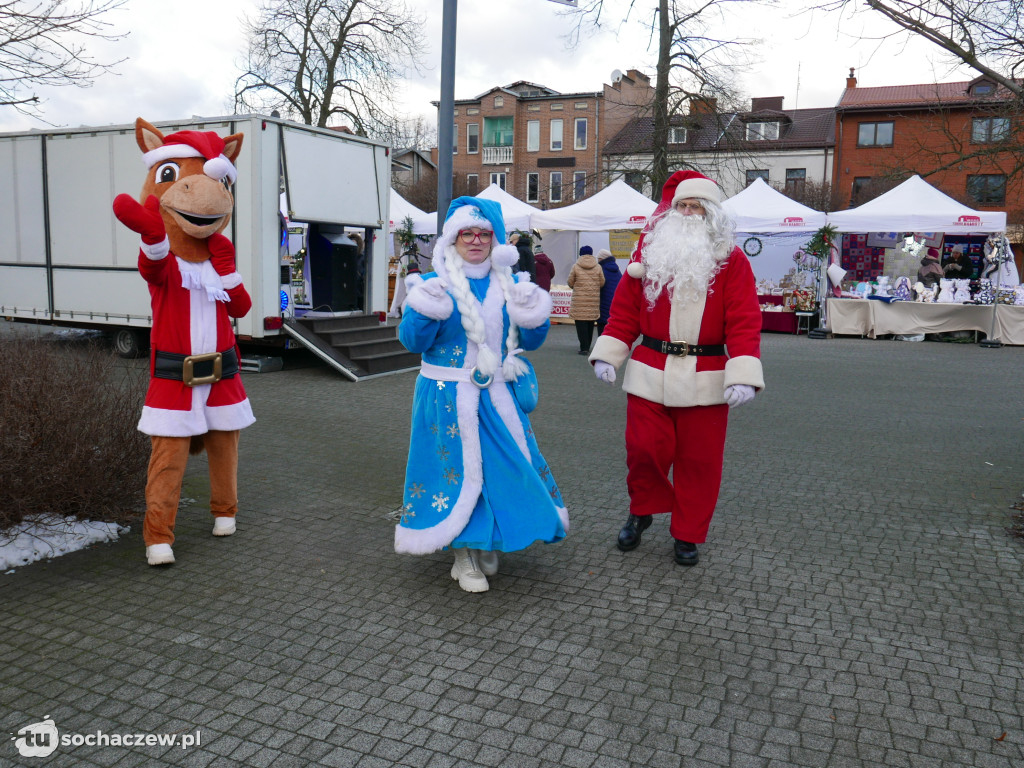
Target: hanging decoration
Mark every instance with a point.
(911, 247)
(752, 246)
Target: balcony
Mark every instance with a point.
(497, 156)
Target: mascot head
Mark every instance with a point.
(191, 174)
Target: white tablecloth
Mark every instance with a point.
(872, 318)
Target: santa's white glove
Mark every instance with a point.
(430, 298)
(739, 394)
(528, 305)
(604, 371)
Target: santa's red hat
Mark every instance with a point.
(195, 144)
(680, 186)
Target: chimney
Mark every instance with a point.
(773, 103)
(851, 81)
(703, 105)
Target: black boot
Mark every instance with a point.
(629, 536)
(686, 553)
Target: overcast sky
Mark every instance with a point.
(803, 57)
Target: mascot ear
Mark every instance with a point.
(147, 136)
(232, 146)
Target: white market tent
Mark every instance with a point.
(515, 212)
(400, 208)
(917, 206)
(588, 222)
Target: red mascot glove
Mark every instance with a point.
(147, 220)
(222, 254)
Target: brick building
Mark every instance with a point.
(961, 137)
(542, 146)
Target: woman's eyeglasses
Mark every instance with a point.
(468, 235)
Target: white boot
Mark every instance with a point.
(488, 560)
(467, 571)
(159, 554)
(223, 526)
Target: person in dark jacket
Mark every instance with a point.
(959, 266)
(524, 244)
(612, 275)
(545, 270)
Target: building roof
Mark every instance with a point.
(799, 128)
(920, 95)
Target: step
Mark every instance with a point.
(393, 361)
(324, 325)
(359, 349)
(340, 338)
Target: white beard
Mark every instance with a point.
(679, 256)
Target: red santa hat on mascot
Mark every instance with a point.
(206, 144)
(680, 186)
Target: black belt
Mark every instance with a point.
(196, 369)
(681, 348)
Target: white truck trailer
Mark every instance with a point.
(67, 261)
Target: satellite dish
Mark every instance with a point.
(616, 76)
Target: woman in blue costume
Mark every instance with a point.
(475, 482)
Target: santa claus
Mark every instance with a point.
(689, 297)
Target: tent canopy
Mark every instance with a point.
(515, 212)
(400, 209)
(760, 208)
(917, 206)
(617, 206)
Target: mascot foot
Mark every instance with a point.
(467, 571)
(488, 561)
(159, 554)
(223, 526)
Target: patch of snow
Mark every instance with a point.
(48, 537)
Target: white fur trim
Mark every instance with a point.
(201, 419)
(219, 167)
(636, 269)
(610, 350)
(463, 217)
(158, 250)
(231, 281)
(534, 312)
(411, 281)
(176, 151)
(745, 369)
(704, 189)
(505, 255)
(436, 308)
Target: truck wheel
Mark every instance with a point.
(130, 343)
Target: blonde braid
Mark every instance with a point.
(472, 322)
(513, 367)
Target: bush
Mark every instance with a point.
(68, 439)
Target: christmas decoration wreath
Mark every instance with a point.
(752, 246)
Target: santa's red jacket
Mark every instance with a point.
(189, 321)
(729, 314)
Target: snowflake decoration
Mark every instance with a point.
(440, 502)
(453, 430)
(449, 407)
(416, 490)
(457, 350)
(452, 476)
(442, 453)
(911, 247)
(442, 351)
(544, 472)
(407, 513)
(433, 429)
(440, 385)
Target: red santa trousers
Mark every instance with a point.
(689, 441)
(167, 464)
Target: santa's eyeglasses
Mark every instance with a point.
(469, 235)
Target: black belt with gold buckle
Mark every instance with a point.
(681, 348)
(193, 370)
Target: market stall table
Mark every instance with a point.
(873, 318)
(778, 321)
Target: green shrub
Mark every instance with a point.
(68, 439)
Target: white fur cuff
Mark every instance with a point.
(429, 305)
(230, 281)
(532, 312)
(158, 251)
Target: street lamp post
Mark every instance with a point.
(446, 112)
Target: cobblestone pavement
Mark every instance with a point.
(858, 602)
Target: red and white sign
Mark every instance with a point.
(560, 303)
(969, 221)
(793, 221)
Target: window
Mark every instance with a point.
(874, 135)
(762, 131)
(635, 179)
(499, 101)
(556, 135)
(859, 193)
(556, 186)
(533, 107)
(473, 138)
(987, 188)
(557, 107)
(579, 185)
(472, 183)
(532, 187)
(533, 136)
(581, 133)
(676, 135)
(499, 179)
(983, 89)
(581, 105)
(473, 111)
(497, 131)
(758, 174)
(985, 130)
(795, 180)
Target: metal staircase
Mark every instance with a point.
(358, 346)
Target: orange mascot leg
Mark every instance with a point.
(222, 451)
(167, 463)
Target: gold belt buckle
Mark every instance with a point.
(684, 346)
(189, 362)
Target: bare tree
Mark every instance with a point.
(698, 58)
(987, 35)
(320, 61)
(44, 43)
